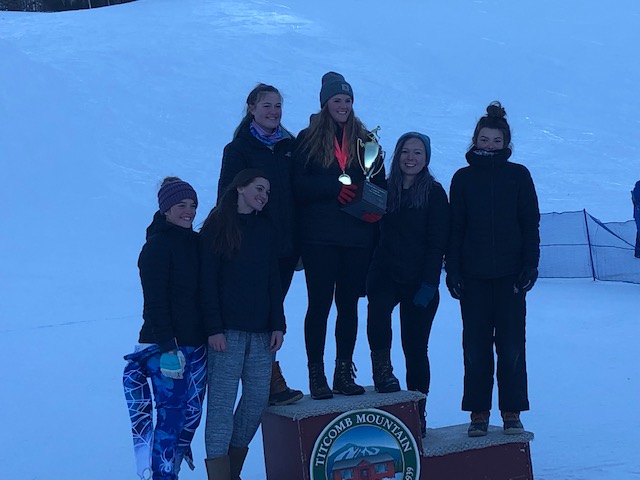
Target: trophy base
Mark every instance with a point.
(369, 199)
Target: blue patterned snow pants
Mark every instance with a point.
(159, 452)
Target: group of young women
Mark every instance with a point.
(282, 199)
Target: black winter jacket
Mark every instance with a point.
(494, 217)
(243, 293)
(413, 241)
(320, 218)
(169, 272)
(246, 151)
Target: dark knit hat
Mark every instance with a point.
(172, 193)
(333, 84)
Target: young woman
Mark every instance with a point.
(172, 349)
(491, 263)
(336, 246)
(260, 141)
(244, 319)
(406, 266)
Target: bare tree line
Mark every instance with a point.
(55, 5)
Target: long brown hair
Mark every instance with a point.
(318, 141)
(221, 230)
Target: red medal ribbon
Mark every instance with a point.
(342, 152)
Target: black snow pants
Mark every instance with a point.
(492, 313)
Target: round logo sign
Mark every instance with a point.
(365, 444)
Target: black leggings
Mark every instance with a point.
(415, 324)
(333, 269)
(287, 267)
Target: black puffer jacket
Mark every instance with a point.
(169, 271)
(494, 217)
(243, 293)
(246, 151)
(320, 218)
(413, 241)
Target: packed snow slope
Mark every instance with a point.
(96, 106)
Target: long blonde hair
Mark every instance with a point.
(318, 142)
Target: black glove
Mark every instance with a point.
(455, 284)
(526, 280)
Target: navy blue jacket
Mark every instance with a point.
(244, 292)
(494, 218)
(320, 218)
(246, 151)
(169, 272)
(413, 241)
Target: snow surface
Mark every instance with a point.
(97, 106)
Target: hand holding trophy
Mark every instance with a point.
(370, 199)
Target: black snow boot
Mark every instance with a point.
(343, 378)
(318, 385)
(422, 407)
(383, 378)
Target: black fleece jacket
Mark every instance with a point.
(320, 218)
(413, 241)
(246, 151)
(494, 217)
(169, 271)
(243, 293)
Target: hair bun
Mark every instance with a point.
(496, 110)
(170, 180)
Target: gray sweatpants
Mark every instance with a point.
(247, 358)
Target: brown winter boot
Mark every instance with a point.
(280, 393)
(512, 424)
(479, 424)
(236, 460)
(217, 468)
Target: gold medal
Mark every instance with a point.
(344, 179)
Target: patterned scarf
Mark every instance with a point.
(265, 137)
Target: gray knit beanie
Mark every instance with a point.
(333, 84)
(172, 193)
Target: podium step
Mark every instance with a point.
(293, 440)
(449, 453)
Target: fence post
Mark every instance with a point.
(586, 226)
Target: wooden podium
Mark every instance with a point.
(290, 433)
(450, 454)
